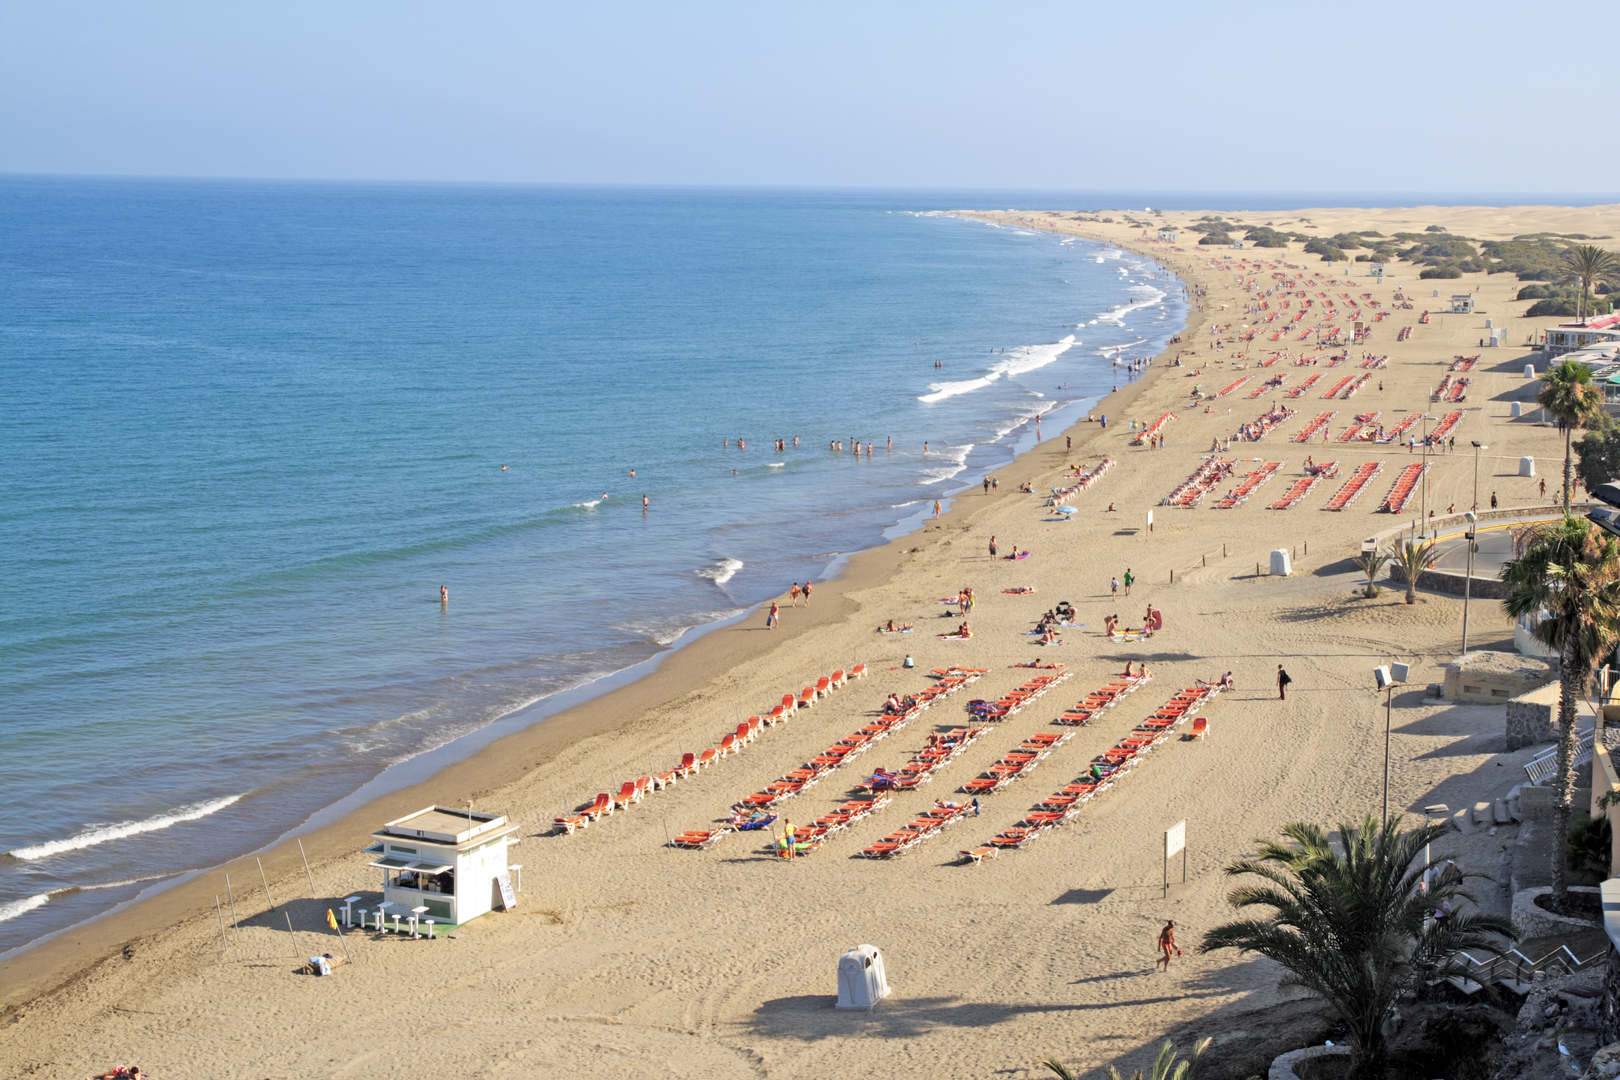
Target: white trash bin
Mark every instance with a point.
(1527, 466)
(862, 982)
(1514, 410)
(1530, 371)
(1280, 564)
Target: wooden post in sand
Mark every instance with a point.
(219, 914)
(271, 900)
(231, 898)
(331, 921)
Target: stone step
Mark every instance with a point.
(1500, 814)
(1460, 821)
(1482, 813)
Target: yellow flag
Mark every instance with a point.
(331, 919)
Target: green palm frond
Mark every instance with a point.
(1347, 918)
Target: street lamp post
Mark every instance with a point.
(1478, 446)
(1386, 676)
(1425, 508)
(1468, 580)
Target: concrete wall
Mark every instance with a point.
(1604, 781)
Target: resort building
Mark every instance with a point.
(1570, 336)
(1169, 234)
(449, 861)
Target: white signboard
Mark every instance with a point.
(1175, 839)
(508, 895)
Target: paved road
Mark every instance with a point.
(1495, 547)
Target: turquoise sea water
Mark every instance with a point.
(251, 428)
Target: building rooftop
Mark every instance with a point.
(446, 825)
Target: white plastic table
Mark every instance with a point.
(348, 903)
(417, 913)
(382, 914)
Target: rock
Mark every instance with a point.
(1605, 1064)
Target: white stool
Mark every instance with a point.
(429, 924)
(363, 913)
(397, 917)
(382, 914)
(348, 903)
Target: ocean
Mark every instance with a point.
(252, 428)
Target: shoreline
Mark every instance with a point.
(338, 830)
(628, 955)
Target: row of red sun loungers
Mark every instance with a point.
(1013, 701)
(1353, 487)
(851, 746)
(1209, 473)
(1107, 769)
(1451, 388)
(1316, 424)
(1152, 429)
(1017, 763)
(1232, 386)
(1394, 434)
(1346, 387)
(1083, 479)
(1443, 428)
(1460, 364)
(940, 749)
(1363, 429)
(1247, 486)
(691, 763)
(1401, 490)
(925, 826)
(1299, 391)
(1301, 487)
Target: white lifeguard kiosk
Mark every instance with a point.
(447, 864)
(1462, 303)
(1169, 234)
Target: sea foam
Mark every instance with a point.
(103, 834)
(1021, 360)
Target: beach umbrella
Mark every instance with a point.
(1068, 510)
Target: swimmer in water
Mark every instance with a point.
(504, 468)
(646, 504)
(632, 474)
(444, 595)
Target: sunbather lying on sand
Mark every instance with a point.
(891, 627)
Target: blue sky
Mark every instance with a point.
(1411, 97)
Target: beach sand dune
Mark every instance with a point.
(626, 957)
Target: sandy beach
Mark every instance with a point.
(628, 957)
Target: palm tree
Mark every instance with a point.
(1414, 557)
(1568, 576)
(1572, 401)
(1372, 563)
(1353, 923)
(1585, 264)
(1167, 1066)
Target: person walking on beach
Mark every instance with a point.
(793, 594)
(936, 508)
(773, 616)
(987, 485)
(1113, 587)
(1167, 945)
(1283, 679)
(805, 588)
(1129, 579)
(992, 547)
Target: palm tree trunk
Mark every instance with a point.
(1568, 689)
(1568, 432)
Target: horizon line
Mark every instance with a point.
(1541, 197)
